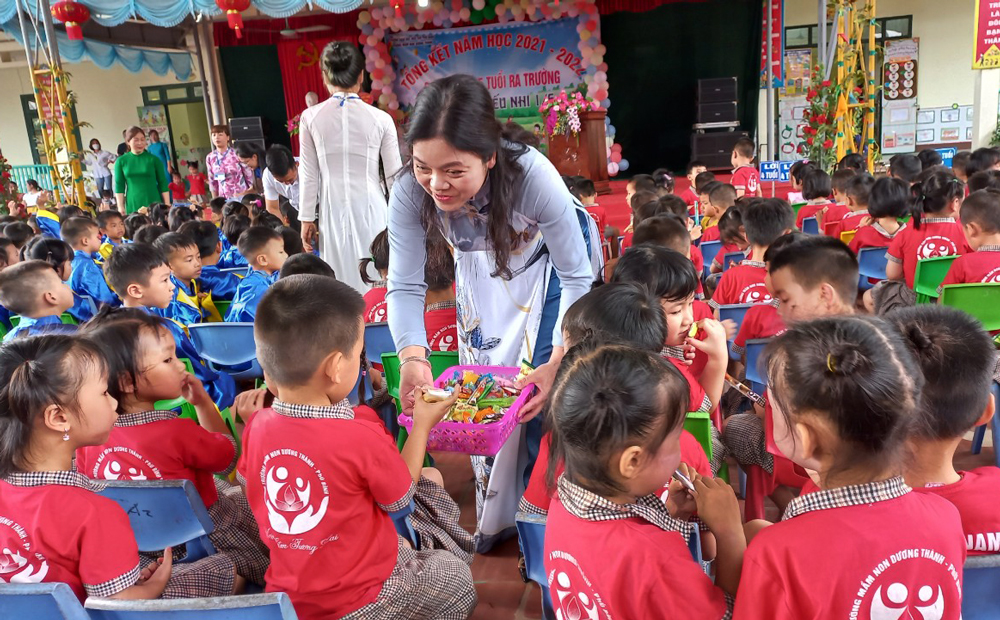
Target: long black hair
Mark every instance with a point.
(935, 190)
(459, 110)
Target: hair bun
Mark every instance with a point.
(337, 58)
(845, 359)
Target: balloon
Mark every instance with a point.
(376, 84)
(464, 14)
(364, 17)
(387, 90)
(603, 67)
(476, 18)
(372, 40)
(394, 105)
(489, 12)
(616, 147)
(383, 99)
(622, 165)
(380, 63)
(600, 49)
(601, 94)
(607, 121)
(573, 11)
(612, 168)
(456, 5)
(596, 58)
(590, 25)
(616, 156)
(584, 34)
(601, 77)
(455, 16)
(479, 5)
(376, 14)
(610, 130)
(366, 29)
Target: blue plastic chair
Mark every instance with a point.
(871, 265)
(709, 250)
(731, 258)
(981, 574)
(401, 519)
(269, 606)
(736, 313)
(40, 601)
(164, 513)
(810, 226)
(228, 347)
(531, 538)
(378, 340)
(757, 379)
(240, 271)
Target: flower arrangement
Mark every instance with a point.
(821, 119)
(562, 112)
(293, 125)
(7, 194)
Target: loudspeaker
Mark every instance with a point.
(246, 128)
(715, 149)
(721, 112)
(715, 90)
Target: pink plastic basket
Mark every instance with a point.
(469, 438)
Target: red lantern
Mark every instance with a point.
(72, 14)
(233, 9)
(398, 5)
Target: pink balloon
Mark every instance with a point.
(612, 168)
(616, 156)
(603, 67)
(616, 147)
(393, 105)
(601, 95)
(387, 90)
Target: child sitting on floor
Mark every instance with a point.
(33, 290)
(146, 444)
(84, 236)
(888, 200)
(980, 217)
(375, 304)
(324, 483)
(221, 285)
(957, 360)
(142, 274)
(264, 250)
(185, 268)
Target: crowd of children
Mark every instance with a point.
(866, 400)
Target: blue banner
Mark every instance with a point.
(520, 63)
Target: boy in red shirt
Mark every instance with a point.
(689, 195)
(763, 222)
(720, 199)
(980, 217)
(178, 193)
(733, 238)
(196, 181)
(323, 483)
(888, 200)
(858, 188)
(745, 179)
(957, 359)
(830, 214)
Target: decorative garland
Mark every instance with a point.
(375, 23)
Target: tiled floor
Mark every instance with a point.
(502, 594)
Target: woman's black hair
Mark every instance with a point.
(606, 398)
(37, 372)
(179, 216)
(233, 208)
(33, 185)
(956, 357)
(664, 181)
(233, 227)
(800, 168)
(816, 184)
(245, 149)
(378, 256)
(889, 196)
(459, 110)
(116, 331)
(858, 375)
(342, 64)
(158, 214)
(55, 252)
(134, 222)
(439, 271)
(666, 274)
(620, 312)
(854, 161)
(933, 192)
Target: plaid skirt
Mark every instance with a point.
(719, 451)
(424, 585)
(236, 533)
(435, 520)
(211, 576)
(745, 441)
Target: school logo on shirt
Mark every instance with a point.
(936, 246)
(121, 463)
(378, 313)
(573, 595)
(18, 563)
(912, 583)
(295, 492)
(752, 184)
(993, 276)
(445, 339)
(755, 293)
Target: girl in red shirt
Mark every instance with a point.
(844, 394)
(55, 400)
(888, 201)
(146, 444)
(957, 358)
(440, 311)
(375, 304)
(612, 547)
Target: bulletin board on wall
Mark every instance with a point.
(899, 96)
(944, 125)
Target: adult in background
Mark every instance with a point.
(280, 178)
(341, 142)
(161, 150)
(227, 176)
(520, 260)
(97, 160)
(123, 146)
(140, 178)
(251, 155)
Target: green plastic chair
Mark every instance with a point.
(798, 207)
(3, 331)
(65, 317)
(699, 424)
(980, 300)
(929, 276)
(223, 307)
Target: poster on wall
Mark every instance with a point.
(986, 47)
(947, 124)
(798, 72)
(154, 117)
(519, 63)
(899, 96)
(790, 124)
(777, 40)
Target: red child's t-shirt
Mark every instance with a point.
(321, 483)
(441, 325)
(983, 265)
(158, 445)
(710, 234)
(689, 198)
(941, 236)
(760, 321)
(177, 192)
(742, 284)
(872, 236)
(809, 210)
(851, 221)
(835, 213)
(746, 178)
(376, 308)
(977, 497)
(197, 183)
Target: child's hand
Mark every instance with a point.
(714, 344)
(249, 402)
(717, 505)
(866, 221)
(193, 391)
(695, 231)
(681, 504)
(731, 328)
(157, 573)
(427, 415)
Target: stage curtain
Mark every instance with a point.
(654, 79)
(300, 74)
(607, 7)
(253, 79)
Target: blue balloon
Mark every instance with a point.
(366, 29)
(411, 18)
(611, 130)
(607, 121)
(606, 104)
(623, 165)
(446, 23)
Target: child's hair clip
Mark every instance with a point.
(831, 363)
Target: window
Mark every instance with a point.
(886, 29)
(182, 93)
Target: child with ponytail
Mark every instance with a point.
(375, 305)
